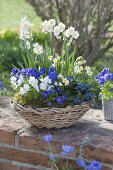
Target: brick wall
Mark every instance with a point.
(22, 147)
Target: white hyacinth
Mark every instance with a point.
(38, 49)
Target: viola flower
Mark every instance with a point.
(95, 165)
(66, 149)
(45, 94)
(80, 162)
(52, 157)
(47, 138)
(42, 71)
(53, 75)
(49, 104)
(76, 100)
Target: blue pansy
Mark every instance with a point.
(13, 71)
(111, 89)
(88, 95)
(95, 165)
(51, 69)
(45, 94)
(80, 162)
(66, 149)
(52, 157)
(58, 89)
(76, 100)
(81, 86)
(42, 71)
(60, 99)
(53, 75)
(49, 104)
(47, 138)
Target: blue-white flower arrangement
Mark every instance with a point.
(66, 150)
(46, 78)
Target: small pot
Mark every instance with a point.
(107, 106)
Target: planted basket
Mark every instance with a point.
(51, 117)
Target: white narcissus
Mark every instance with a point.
(61, 26)
(38, 49)
(24, 29)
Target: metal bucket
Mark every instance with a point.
(107, 106)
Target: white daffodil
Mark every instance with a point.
(52, 22)
(55, 60)
(55, 84)
(48, 25)
(61, 76)
(53, 65)
(88, 70)
(50, 57)
(61, 26)
(24, 29)
(60, 84)
(56, 32)
(78, 69)
(38, 49)
(69, 32)
(75, 34)
(66, 82)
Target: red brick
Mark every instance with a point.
(7, 137)
(7, 166)
(101, 149)
(33, 139)
(24, 156)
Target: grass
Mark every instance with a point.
(11, 12)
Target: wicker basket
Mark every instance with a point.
(52, 117)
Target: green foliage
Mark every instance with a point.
(107, 90)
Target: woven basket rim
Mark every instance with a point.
(46, 108)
